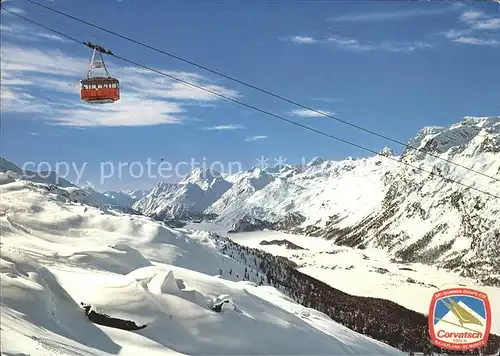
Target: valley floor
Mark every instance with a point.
(368, 272)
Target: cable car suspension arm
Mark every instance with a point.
(96, 63)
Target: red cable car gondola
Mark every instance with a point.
(99, 90)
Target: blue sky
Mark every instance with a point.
(392, 67)
(475, 304)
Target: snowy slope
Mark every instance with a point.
(56, 253)
(245, 185)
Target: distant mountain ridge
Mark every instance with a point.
(415, 215)
(375, 201)
(126, 198)
(10, 171)
(189, 198)
(84, 194)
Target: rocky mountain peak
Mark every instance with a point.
(387, 152)
(316, 161)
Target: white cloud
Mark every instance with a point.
(15, 82)
(489, 24)
(471, 15)
(456, 33)
(17, 59)
(406, 47)
(354, 45)
(480, 21)
(255, 138)
(51, 37)
(147, 98)
(343, 41)
(477, 23)
(477, 41)
(15, 10)
(224, 127)
(303, 39)
(133, 111)
(300, 39)
(15, 100)
(384, 16)
(30, 34)
(139, 80)
(309, 113)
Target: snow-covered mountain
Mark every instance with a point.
(376, 201)
(57, 252)
(9, 172)
(312, 190)
(137, 194)
(126, 198)
(190, 197)
(423, 218)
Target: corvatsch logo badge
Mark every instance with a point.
(459, 319)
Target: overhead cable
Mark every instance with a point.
(265, 91)
(255, 108)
